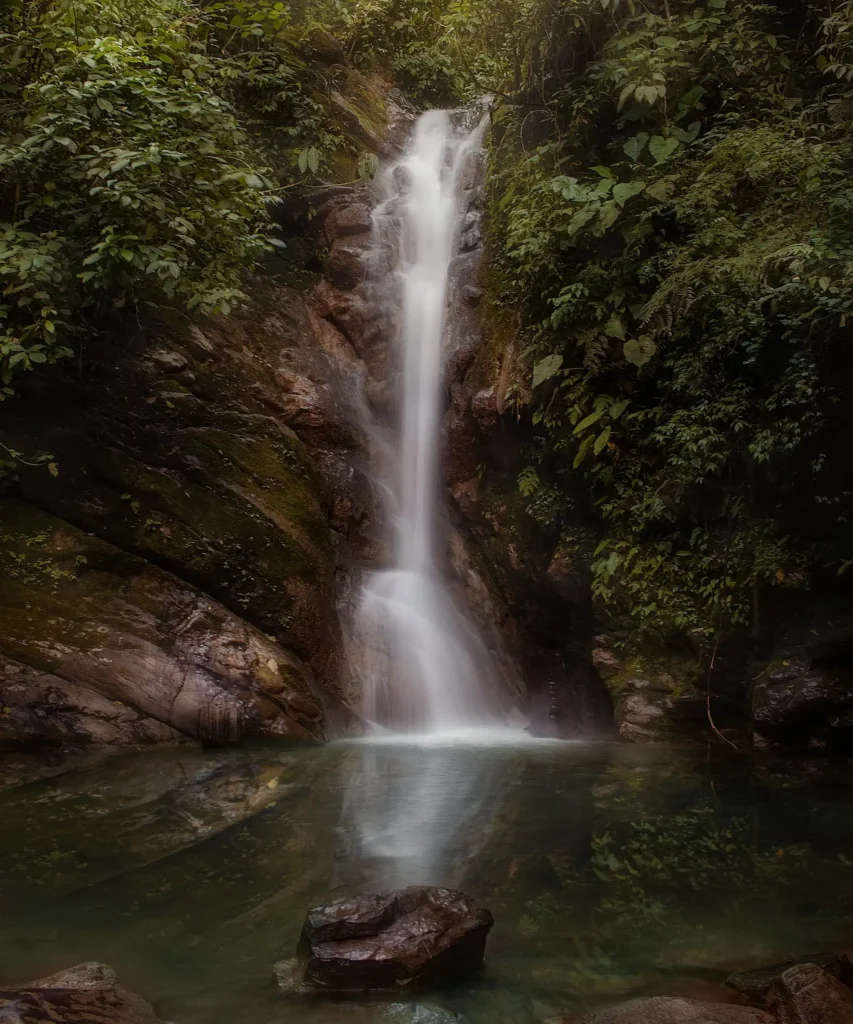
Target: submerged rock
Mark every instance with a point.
(807, 994)
(664, 1010)
(389, 940)
(86, 994)
(756, 984)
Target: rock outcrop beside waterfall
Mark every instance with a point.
(209, 504)
(535, 610)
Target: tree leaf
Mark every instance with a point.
(588, 421)
(633, 147)
(583, 216)
(609, 215)
(623, 192)
(662, 149)
(586, 444)
(626, 92)
(686, 135)
(601, 441)
(615, 329)
(639, 351)
(659, 190)
(546, 368)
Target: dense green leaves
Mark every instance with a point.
(682, 236)
(133, 139)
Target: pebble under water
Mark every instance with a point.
(611, 870)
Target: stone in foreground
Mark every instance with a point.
(423, 935)
(756, 984)
(663, 1010)
(806, 994)
(85, 994)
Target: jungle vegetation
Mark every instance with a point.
(670, 210)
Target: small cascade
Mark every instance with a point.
(427, 670)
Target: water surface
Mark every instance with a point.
(610, 870)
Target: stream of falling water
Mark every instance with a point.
(435, 672)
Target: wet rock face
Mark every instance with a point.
(229, 453)
(138, 654)
(664, 1010)
(423, 935)
(86, 994)
(800, 705)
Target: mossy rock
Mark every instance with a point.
(85, 613)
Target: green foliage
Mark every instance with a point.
(679, 228)
(134, 140)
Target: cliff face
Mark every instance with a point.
(179, 576)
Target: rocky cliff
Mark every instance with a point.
(179, 574)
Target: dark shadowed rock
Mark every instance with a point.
(85, 994)
(385, 941)
(756, 984)
(807, 994)
(663, 1010)
(795, 702)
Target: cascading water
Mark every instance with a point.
(433, 674)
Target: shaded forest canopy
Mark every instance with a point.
(670, 215)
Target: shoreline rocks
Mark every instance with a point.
(86, 994)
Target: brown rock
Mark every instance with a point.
(77, 610)
(41, 709)
(485, 409)
(466, 494)
(171, 362)
(86, 994)
(807, 994)
(348, 221)
(756, 984)
(568, 576)
(349, 311)
(794, 702)
(331, 340)
(344, 265)
(606, 662)
(388, 940)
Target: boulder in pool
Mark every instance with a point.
(415, 937)
(86, 994)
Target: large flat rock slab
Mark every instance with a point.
(106, 647)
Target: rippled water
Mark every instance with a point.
(610, 870)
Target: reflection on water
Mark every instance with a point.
(417, 813)
(610, 870)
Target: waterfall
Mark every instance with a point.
(430, 672)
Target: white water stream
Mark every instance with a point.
(434, 673)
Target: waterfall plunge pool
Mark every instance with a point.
(611, 870)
